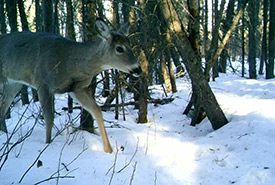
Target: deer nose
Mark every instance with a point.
(136, 72)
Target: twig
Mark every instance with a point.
(7, 150)
(113, 166)
(130, 159)
(37, 158)
(64, 167)
(156, 177)
(122, 99)
(59, 160)
(133, 173)
(105, 106)
(58, 177)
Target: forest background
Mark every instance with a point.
(172, 39)
(202, 37)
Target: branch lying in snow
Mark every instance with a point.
(115, 161)
(42, 151)
(130, 159)
(6, 148)
(113, 166)
(133, 174)
(106, 106)
(51, 178)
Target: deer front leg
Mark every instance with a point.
(86, 100)
(46, 99)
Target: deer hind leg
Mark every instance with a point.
(86, 100)
(8, 92)
(46, 98)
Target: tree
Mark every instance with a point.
(3, 27)
(226, 25)
(243, 41)
(23, 17)
(271, 41)
(214, 42)
(25, 27)
(264, 38)
(70, 33)
(227, 36)
(12, 14)
(47, 14)
(38, 22)
(55, 23)
(183, 43)
(253, 14)
(143, 81)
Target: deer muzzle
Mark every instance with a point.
(136, 71)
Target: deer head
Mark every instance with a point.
(119, 55)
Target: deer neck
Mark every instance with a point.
(96, 57)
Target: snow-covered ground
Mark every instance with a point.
(166, 151)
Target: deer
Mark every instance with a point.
(53, 64)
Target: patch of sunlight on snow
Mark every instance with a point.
(242, 105)
(175, 156)
(94, 143)
(95, 147)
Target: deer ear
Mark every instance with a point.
(102, 28)
(124, 29)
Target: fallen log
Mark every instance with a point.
(107, 106)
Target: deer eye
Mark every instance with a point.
(119, 49)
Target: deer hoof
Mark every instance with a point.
(108, 149)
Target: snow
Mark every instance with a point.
(165, 151)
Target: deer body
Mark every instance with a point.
(53, 64)
(59, 63)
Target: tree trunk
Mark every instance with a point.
(165, 75)
(38, 24)
(47, 14)
(106, 84)
(171, 71)
(25, 27)
(116, 73)
(243, 42)
(86, 121)
(12, 14)
(264, 39)
(176, 59)
(193, 63)
(144, 63)
(70, 33)
(252, 39)
(143, 87)
(3, 27)
(226, 25)
(23, 17)
(214, 42)
(106, 73)
(271, 40)
(55, 23)
(226, 37)
(205, 38)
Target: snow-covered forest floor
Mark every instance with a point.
(166, 151)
